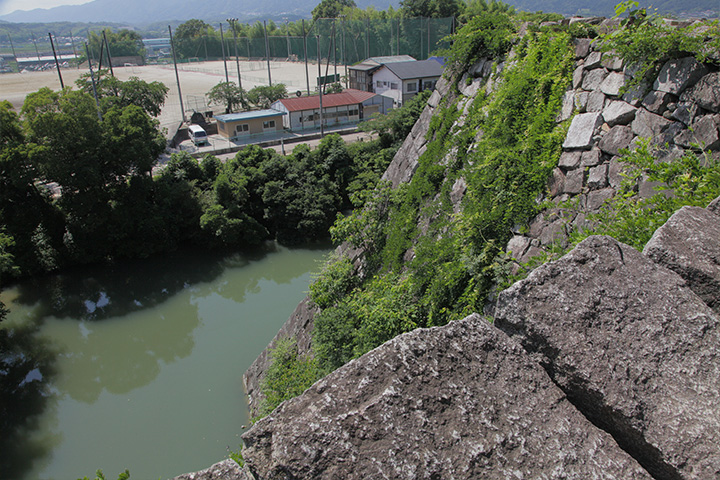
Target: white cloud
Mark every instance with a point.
(9, 6)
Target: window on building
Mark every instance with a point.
(412, 87)
(428, 85)
(393, 86)
(353, 112)
(243, 127)
(269, 124)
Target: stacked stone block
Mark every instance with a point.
(679, 111)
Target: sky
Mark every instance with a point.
(8, 6)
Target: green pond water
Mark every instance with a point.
(139, 366)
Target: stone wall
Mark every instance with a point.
(680, 110)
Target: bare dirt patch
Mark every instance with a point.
(196, 79)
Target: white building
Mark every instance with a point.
(346, 108)
(401, 81)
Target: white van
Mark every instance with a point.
(198, 135)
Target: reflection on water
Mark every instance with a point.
(138, 365)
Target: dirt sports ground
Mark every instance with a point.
(196, 79)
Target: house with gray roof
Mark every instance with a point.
(402, 80)
(360, 76)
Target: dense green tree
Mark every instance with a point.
(112, 92)
(229, 94)
(25, 211)
(263, 96)
(432, 8)
(6, 264)
(476, 8)
(331, 8)
(92, 161)
(196, 38)
(123, 43)
(191, 29)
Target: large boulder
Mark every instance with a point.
(706, 93)
(703, 133)
(225, 470)
(461, 401)
(633, 348)
(678, 74)
(593, 79)
(656, 127)
(689, 244)
(657, 102)
(613, 83)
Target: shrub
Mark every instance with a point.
(288, 376)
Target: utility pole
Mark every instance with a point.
(287, 36)
(367, 37)
(72, 40)
(222, 43)
(233, 23)
(177, 76)
(107, 48)
(13, 48)
(92, 78)
(57, 64)
(267, 52)
(320, 89)
(397, 37)
(334, 49)
(35, 43)
(327, 68)
(307, 73)
(428, 36)
(344, 57)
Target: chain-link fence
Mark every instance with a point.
(340, 41)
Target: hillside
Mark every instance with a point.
(536, 142)
(135, 12)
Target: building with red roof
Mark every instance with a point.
(348, 107)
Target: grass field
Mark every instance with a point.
(196, 79)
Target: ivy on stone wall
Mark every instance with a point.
(432, 260)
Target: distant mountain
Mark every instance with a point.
(143, 12)
(706, 8)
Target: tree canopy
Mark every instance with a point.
(123, 43)
(229, 94)
(331, 8)
(149, 96)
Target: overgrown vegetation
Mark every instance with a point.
(421, 273)
(692, 180)
(288, 376)
(647, 42)
(100, 476)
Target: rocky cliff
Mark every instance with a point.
(602, 364)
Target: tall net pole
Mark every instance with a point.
(177, 76)
(222, 42)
